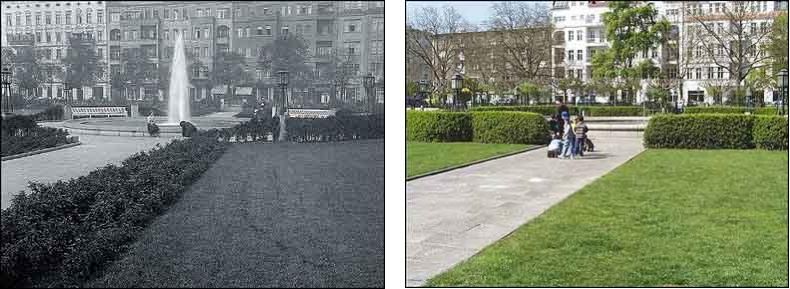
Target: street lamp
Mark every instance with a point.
(6, 87)
(782, 81)
(369, 81)
(282, 81)
(423, 90)
(456, 84)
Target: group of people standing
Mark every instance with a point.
(568, 138)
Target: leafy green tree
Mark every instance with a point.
(412, 88)
(229, 70)
(289, 53)
(777, 44)
(28, 74)
(631, 28)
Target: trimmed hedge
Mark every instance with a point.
(770, 132)
(58, 234)
(716, 131)
(480, 126)
(21, 134)
(438, 126)
(509, 127)
(340, 127)
(546, 110)
(766, 110)
(612, 110)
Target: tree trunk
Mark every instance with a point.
(283, 135)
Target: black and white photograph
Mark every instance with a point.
(192, 144)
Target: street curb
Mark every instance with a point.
(439, 171)
(41, 151)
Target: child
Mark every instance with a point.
(580, 130)
(569, 140)
(555, 146)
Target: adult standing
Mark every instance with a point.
(562, 113)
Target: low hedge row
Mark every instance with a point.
(612, 110)
(438, 126)
(509, 127)
(337, 128)
(21, 134)
(58, 234)
(716, 131)
(767, 110)
(548, 110)
(478, 126)
(539, 109)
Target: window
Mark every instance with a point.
(709, 71)
(58, 52)
(351, 28)
(247, 32)
(134, 35)
(260, 30)
(167, 35)
(696, 96)
(285, 30)
(115, 17)
(167, 13)
(590, 35)
(175, 13)
(699, 73)
(377, 47)
(99, 16)
(200, 12)
(100, 52)
(205, 33)
(57, 37)
(579, 73)
(268, 30)
(579, 34)
(205, 52)
(8, 20)
(88, 15)
(38, 18)
(79, 16)
(156, 13)
(352, 48)
(38, 36)
(197, 33)
(100, 35)
(570, 55)
(196, 51)
(115, 52)
(570, 35)
(579, 55)
(47, 20)
(239, 32)
(58, 18)
(208, 12)
(49, 38)
(222, 13)
(68, 17)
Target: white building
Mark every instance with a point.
(579, 33)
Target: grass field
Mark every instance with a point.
(666, 218)
(422, 157)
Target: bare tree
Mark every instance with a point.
(523, 40)
(732, 39)
(428, 37)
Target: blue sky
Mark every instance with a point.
(475, 12)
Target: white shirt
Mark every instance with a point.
(555, 145)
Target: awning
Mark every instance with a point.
(222, 89)
(244, 91)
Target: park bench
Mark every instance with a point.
(98, 111)
(310, 113)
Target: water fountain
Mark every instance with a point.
(178, 106)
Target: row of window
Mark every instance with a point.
(716, 8)
(591, 35)
(59, 36)
(59, 17)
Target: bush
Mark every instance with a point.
(706, 131)
(546, 110)
(438, 126)
(612, 110)
(21, 134)
(510, 127)
(58, 234)
(766, 110)
(770, 132)
(53, 112)
(714, 109)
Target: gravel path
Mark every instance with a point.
(274, 215)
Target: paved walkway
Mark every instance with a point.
(452, 216)
(94, 152)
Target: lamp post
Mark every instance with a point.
(282, 81)
(6, 87)
(423, 90)
(456, 83)
(782, 81)
(369, 81)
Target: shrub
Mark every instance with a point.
(510, 127)
(53, 112)
(58, 234)
(770, 132)
(714, 109)
(699, 131)
(21, 134)
(612, 110)
(539, 109)
(438, 126)
(766, 110)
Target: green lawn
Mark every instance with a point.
(422, 157)
(666, 218)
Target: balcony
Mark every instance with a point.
(559, 5)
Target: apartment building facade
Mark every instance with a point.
(579, 34)
(348, 30)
